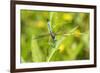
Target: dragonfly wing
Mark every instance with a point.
(41, 36)
(69, 33)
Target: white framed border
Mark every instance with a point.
(52, 64)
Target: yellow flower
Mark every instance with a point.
(77, 33)
(67, 16)
(61, 48)
(40, 24)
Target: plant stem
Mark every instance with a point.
(55, 49)
(52, 53)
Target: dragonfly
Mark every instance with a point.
(53, 34)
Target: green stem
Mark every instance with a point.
(55, 49)
(52, 53)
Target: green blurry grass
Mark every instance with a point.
(72, 47)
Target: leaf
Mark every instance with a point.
(25, 49)
(37, 55)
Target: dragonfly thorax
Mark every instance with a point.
(52, 35)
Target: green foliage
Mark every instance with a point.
(71, 30)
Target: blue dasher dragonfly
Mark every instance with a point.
(53, 34)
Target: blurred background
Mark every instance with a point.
(37, 44)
